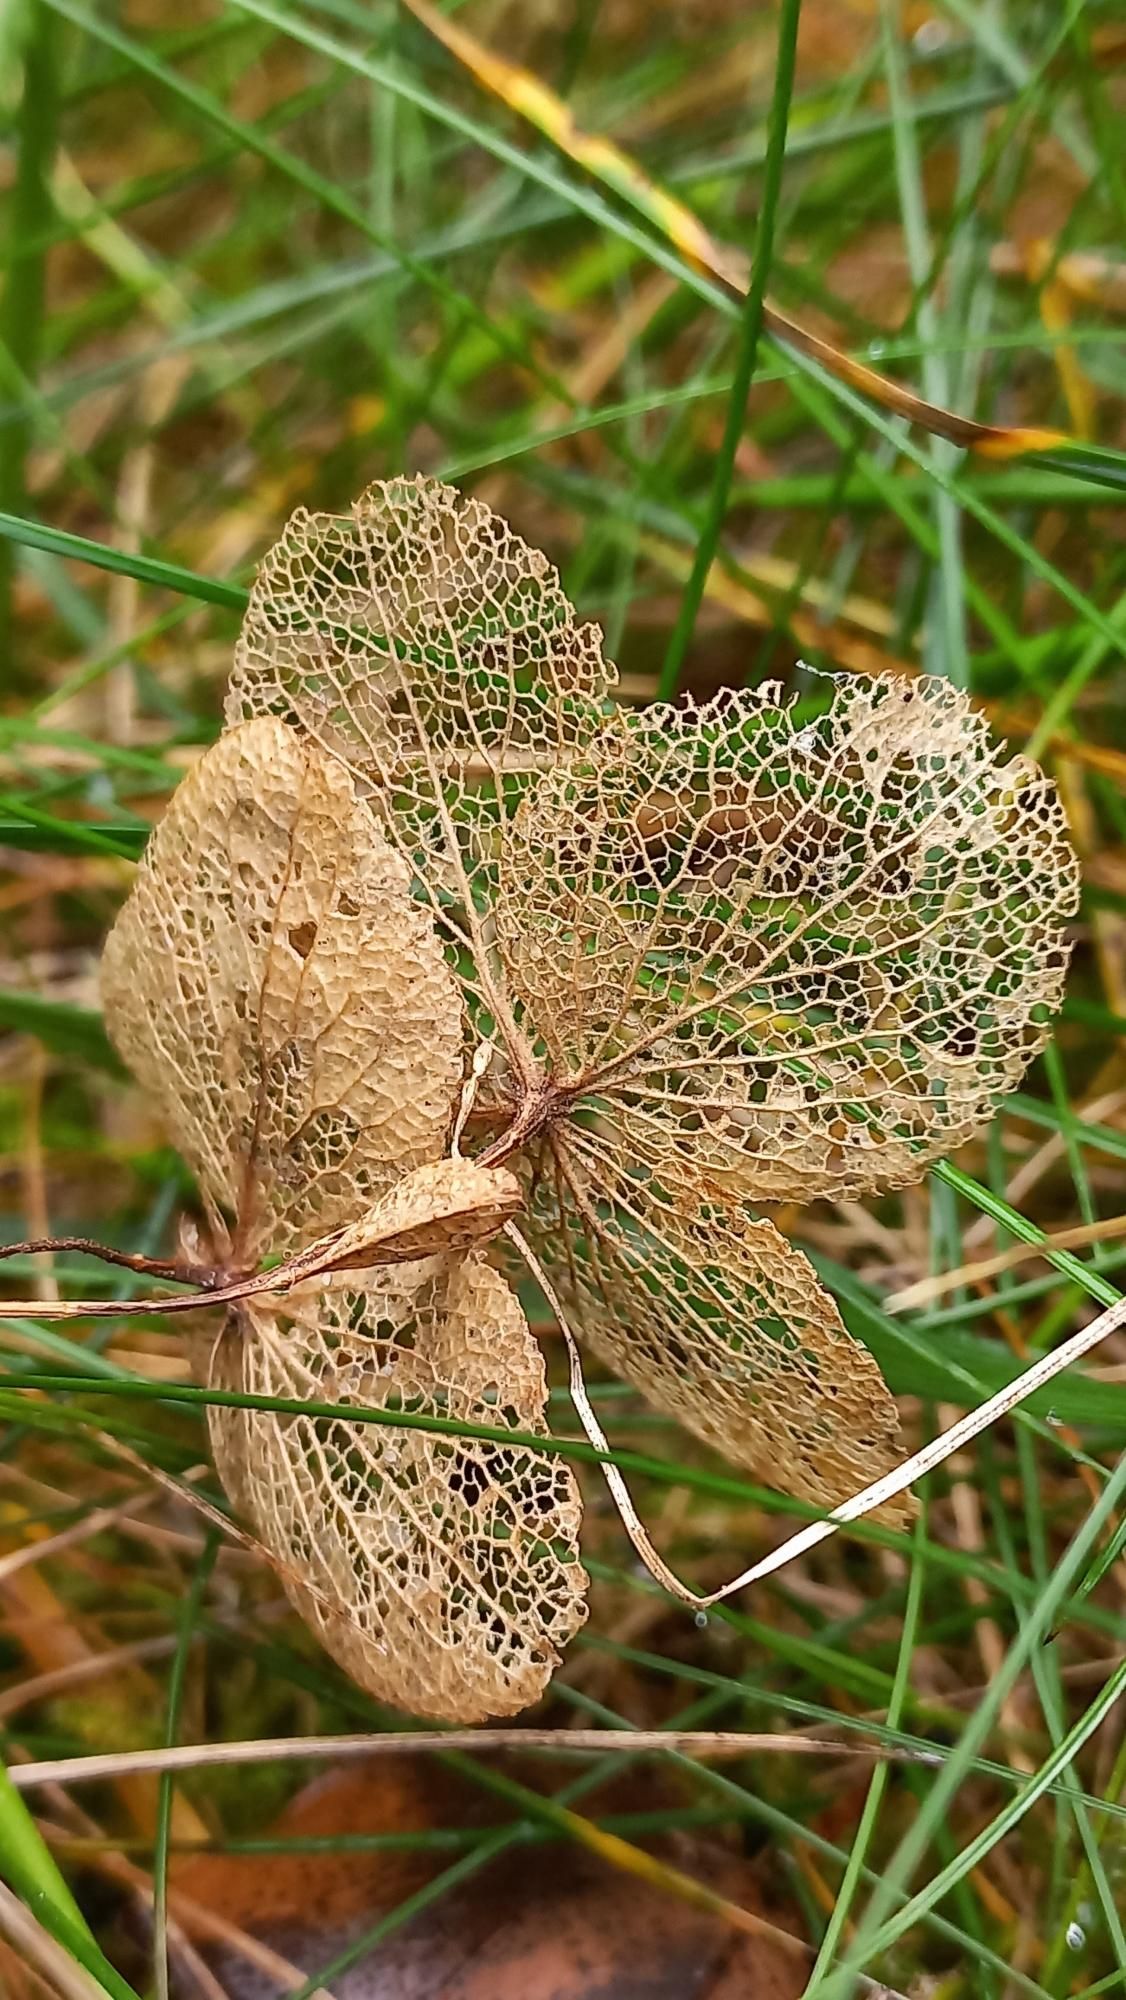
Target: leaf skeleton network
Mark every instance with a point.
(441, 968)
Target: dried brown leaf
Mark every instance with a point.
(783, 960)
(449, 1206)
(275, 989)
(427, 646)
(442, 1573)
(548, 1922)
(717, 1320)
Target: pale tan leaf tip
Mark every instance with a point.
(441, 1572)
(449, 1206)
(435, 1210)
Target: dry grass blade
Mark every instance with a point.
(535, 101)
(708, 1745)
(39, 1952)
(926, 1290)
(945, 1445)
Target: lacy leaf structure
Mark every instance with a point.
(275, 989)
(793, 961)
(441, 1572)
(285, 1001)
(423, 643)
(728, 954)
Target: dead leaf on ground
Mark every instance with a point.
(539, 1923)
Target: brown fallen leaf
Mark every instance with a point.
(538, 1923)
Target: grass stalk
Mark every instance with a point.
(21, 310)
(746, 354)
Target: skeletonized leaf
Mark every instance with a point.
(779, 962)
(441, 1573)
(763, 962)
(272, 984)
(731, 958)
(275, 986)
(427, 646)
(716, 1319)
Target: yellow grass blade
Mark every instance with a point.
(606, 162)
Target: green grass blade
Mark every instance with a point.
(747, 354)
(21, 311)
(166, 1789)
(28, 1864)
(1097, 465)
(121, 562)
(70, 1031)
